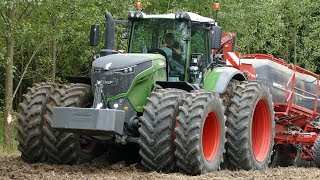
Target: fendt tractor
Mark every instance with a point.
(181, 98)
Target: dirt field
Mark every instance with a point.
(11, 167)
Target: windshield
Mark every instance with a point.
(163, 36)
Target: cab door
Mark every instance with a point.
(200, 56)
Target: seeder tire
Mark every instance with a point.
(316, 152)
(200, 133)
(250, 127)
(63, 147)
(30, 121)
(157, 130)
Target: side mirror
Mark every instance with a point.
(216, 37)
(94, 35)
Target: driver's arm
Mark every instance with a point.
(176, 48)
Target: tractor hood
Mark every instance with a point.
(119, 72)
(119, 61)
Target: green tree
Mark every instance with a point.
(8, 17)
(12, 12)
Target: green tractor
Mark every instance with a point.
(166, 98)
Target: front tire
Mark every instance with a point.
(250, 127)
(157, 127)
(200, 133)
(63, 147)
(30, 120)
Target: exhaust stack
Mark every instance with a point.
(109, 34)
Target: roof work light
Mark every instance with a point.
(135, 15)
(216, 6)
(138, 5)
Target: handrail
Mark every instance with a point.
(316, 98)
(289, 98)
(304, 91)
(290, 79)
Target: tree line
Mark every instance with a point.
(42, 40)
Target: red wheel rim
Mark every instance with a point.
(211, 136)
(261, 130)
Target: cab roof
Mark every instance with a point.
(193, 16)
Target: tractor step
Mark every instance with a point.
(88, 121)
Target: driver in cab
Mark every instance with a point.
(169, 42)
(176, 66)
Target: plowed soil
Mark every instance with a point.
(12, 167)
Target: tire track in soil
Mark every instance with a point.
(12, 167)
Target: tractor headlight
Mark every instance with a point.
(131, 15)
(126, 70)
(117, 104)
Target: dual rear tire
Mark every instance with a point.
(200, 134)
(250, 125)
(190, 138)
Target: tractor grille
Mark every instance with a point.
(113, 83)
(117, 83)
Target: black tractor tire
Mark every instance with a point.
(30, 121)
(226, 99)
(316, 152)
(251, 126)
(200, 133)
(157, 130)
(63, 147)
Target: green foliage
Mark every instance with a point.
(285, 28)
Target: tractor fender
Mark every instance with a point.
(217, 79)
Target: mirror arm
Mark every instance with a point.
(122, 22)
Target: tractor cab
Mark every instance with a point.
(185, 39)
